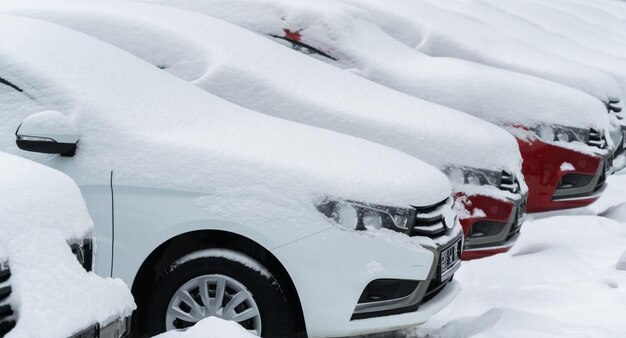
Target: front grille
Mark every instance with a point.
(7, 318)
(434, 288)
(596, 139)
(508, 182)
(429, 220)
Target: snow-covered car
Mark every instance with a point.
(207, 209)
(45, 255)
(531, 34)
(438, 32)
(343, 36)
(490, 190)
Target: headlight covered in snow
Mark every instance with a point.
(562, 134)
(83, 252)
(363, 216)
(473, 176)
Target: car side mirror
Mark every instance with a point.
(48, 132)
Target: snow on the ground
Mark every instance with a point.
(211, 327)
(566, 277)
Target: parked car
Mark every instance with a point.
(525, 31)
(524, 105)
(489, 190)
(45, 255)
(206, 209)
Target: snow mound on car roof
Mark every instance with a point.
(562, 23)
(53, 295)
(33, 195)
(523, 30)
(280, 82)
(155, 130)
(438, 32)
(498, 96)
(211, 327)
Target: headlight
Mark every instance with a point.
(473, 176)
(83, 252)
(562, 134)
(362, 216)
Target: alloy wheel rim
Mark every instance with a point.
(213, 296)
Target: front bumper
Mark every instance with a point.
(331, 270)
(118, 328)
(497, 227)
(545, 166)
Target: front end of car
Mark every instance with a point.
(396, 266)
(491, 205)
(564, 167)
(83, 250)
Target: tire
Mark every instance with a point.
(209, 267)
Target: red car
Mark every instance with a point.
(562, 177)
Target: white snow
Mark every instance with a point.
(533, 35)
(564, 24)
(438, 32)
(621, 263)
(224, 253)
(255, 80)
(53, 295)
(50, 124)
(155, 130)
(41, 211)
(35, 196)
(566, 166)
(211, 327)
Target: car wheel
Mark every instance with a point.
(219, 283)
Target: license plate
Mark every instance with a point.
(449, 256)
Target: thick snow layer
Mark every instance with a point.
(35, 196)
(355, 43)
(155, 130)
(438, 32)
(613, 7)
(296, 88)
(564, 24)
(531, 34)
(228, 254)
(549, 285)
(52, 294)
(211, 327)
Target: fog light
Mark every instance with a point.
(385, 289)
(570, 181)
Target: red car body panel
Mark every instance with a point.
(542, 171)
(493, 210)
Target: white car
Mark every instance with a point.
(207, 209)
(45, 255)
(207, 52)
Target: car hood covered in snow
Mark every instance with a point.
(154, 130)
(344, 33)
(278, 81)
(40, 212)
(438, 32)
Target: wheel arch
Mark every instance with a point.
(161, 258)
